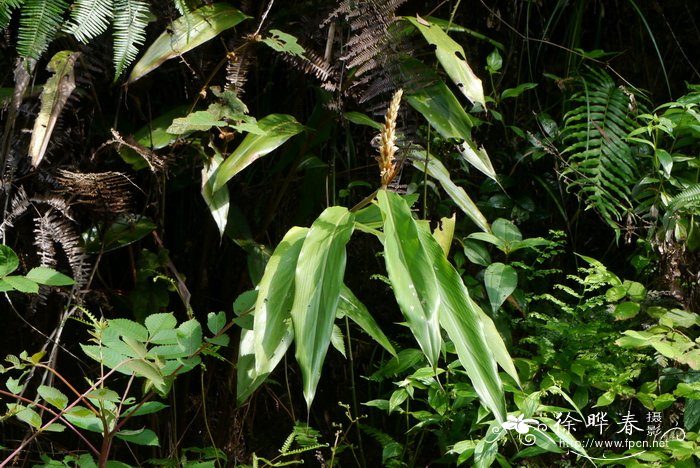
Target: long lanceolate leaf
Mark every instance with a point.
(318, 281)
(89, 18)
(410, 274)
(38, 24)
(431, 294)
(601, 164)
(130, 20)
(263, 347)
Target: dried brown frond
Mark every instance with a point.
(53, 230)
(108, 192)
(156, 162)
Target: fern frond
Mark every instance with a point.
(130, 20)
(688, 198)
(89, 19)
(6, 7)
(600, 164)
(38, 24)
(186, 6)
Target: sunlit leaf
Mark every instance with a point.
(283, 42)
(22, 284)
(53, 396)
(8, 260)
(49, 277)
(453, 59)
(278, 128)
(318, 281)
(186, 33)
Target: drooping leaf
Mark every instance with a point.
(442, 110)
(438, 171)
(430, 276)
(187, 33)
(500, 280)
(263, 347)
(277, 129)
(453, 59)
(318, 280)
(129, 31)
(89, 19)
(411, 275)
(444, 233)
(54, 96)
(217, 201)
(351, 306)
(38, 24)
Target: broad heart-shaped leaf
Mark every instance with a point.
(453, 59)
(436, 280)
(49, 277)
(8, 260)
(500, 280)
(351, 306)
(186, 33)
(217, 201)
(277, 129)
(263, 347)
(318, 280)
(438, 171)
(411, 274)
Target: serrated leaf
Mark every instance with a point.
(53, 396)
(187, 33)
(49, 277)
(161, 328)
(22, 284)
(139, 436)
(103, 394)
(189, 336)
(83, 418)
(89, 19)
(338, 340)
(9, 261)
(126, 327)
(25, 414)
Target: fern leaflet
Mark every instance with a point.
(6, 7)
(38, 24)
(600, 163)
(89, 19)
(130, 20)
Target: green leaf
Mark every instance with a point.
(517, 91)
(494, 62)
(453, 59)
(277, 128)
(189, 336)
(104, 394)
(442, 110)
(83, 418)
(139, 436)
(318, 280)
(476, 252)
(53, 396)
(427, 285)
(49, 277)
(198, 121)
(148, 407)
(216, 321)
(22, 284)
(129, 328)
(351, 306)
(217, 201)
(626, 310)
(9, 261)
(129, 31)
(338, 340)
(39, 22)
(478, 158)
(161, 328)
(410, 273)
(283, 42)
(186, 33)
(124, 230)
(362, 119)
(89, 19)
(263, 347)
(438, 171)
(500, 280)
(25, 414)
